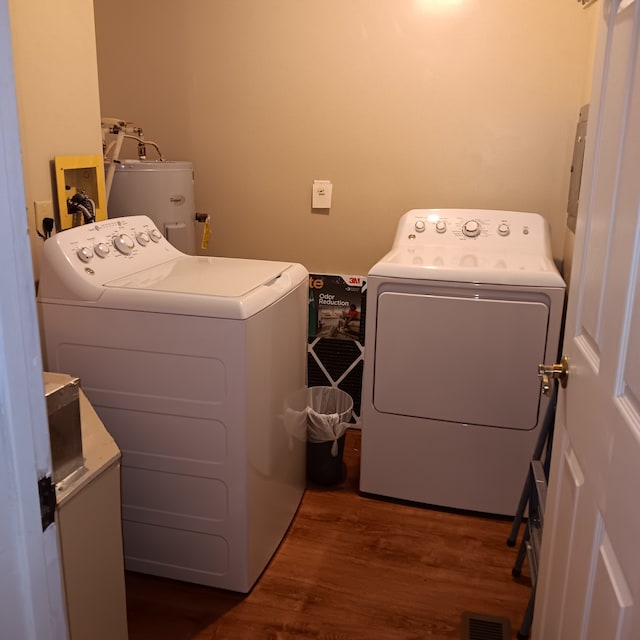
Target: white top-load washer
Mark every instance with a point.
(197, 367)
(460, 313)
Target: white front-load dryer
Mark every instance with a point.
(197, 367)
(460, 313)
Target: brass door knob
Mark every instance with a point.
(548, 372)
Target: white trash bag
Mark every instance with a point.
(328, 414)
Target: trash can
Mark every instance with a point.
(328, 415)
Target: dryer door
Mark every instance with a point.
(468, 360)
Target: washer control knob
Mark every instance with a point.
(143, 238)
(155, 235)
(123, 243)
(419, 226)
(503, 229)
(85, 254)
(102, 250)
(441, 226)
(471, 228)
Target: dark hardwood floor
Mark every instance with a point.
(350, 568)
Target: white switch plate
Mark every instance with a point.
(321, 194)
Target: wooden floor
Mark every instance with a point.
(350, 568)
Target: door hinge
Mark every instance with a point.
(47, 493)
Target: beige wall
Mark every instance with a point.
(401, 103)
(57, 91)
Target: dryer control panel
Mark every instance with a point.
(485, 229)
(471, 245)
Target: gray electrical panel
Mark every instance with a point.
(576, 168)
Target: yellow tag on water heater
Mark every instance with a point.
(206, 233)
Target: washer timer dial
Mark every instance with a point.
(123, 243)
(471, 228)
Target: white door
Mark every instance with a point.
(589, 584)
(32, 603)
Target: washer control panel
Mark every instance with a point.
(107, 250)
(483, 229)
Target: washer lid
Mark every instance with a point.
(455, 265)
(210, 286)
(206, 276)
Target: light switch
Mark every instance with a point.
(321, 194)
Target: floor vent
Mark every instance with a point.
(476, 626)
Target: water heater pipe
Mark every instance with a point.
(122, 130)
(114, 160)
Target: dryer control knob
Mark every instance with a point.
(471, 228)
(85, 254)
(143, 239)
(503, 229)
(123, 243)
(155, 235)
(441, 226)
(419, 226)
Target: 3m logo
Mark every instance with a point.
(354, 280)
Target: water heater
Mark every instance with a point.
(162, 190)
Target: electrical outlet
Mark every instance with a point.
(43, 210)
